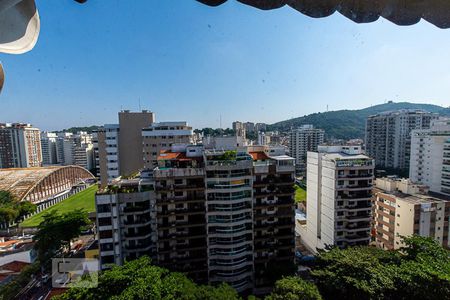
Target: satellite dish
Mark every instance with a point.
(2, 77)
(19, 26)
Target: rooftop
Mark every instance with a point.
(344, 156)
(260, 155)
(20, 181)
(416, 199)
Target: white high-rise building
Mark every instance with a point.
(430, 156)
(304, 139)
(49, 148)
(339, 184)
(75, 149)
(388, 136)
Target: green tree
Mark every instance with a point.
(294, 288)
(8, 214)
(13, 210)
(221, 292)
(56, 231)
(420, 270)
(138, 279)
(424, 272)
(24, 208)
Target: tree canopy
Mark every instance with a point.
(294, 288)
(13, 210)
(56, 231)
(420, 270)
(139, 279)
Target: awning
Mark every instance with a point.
(400, 12)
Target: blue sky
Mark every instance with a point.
(196, 63)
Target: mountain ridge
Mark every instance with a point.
(349, 124)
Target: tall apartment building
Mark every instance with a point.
(260, 127)
(161, 136)
(20, 146)
(403, 209)
(219, 216)
(338, 206)
(126, 221)
(304, 139)
(49, 148)
(119, 147)
(131, 139)
(388, 136)
(430, 156)
(180, 209)
(249, 127)
(77, 150)
(239, 129)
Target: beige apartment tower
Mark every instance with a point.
(20, 146)
(118, 147)
(130, 139)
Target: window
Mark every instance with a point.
(103, 208)
(104, 221)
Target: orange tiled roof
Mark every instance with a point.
(8, 243)
(14, 266)
(4, 276)
(259, 155)
(168, 155)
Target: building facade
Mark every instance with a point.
(304, 139)
(118, 148)
(403, 209)
(239, 129)
(20, 146)
(430, 156)
(219, 215)
(161, 136)
(388, 136)
(339, 184)
(49, 148)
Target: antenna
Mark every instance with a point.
(327, 107)
(221, 121)
(140, 104)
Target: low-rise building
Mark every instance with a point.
(403, 208)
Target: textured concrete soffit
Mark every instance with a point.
(400, 12)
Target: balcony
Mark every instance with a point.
(134, 209)
(355, 196)
(139, 248)
(216, 186)
(178, 172)
(136, 223)
(354, 187)
(137, 235)
(182, 211)
(355, 176)
(228, 164)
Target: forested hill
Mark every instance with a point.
(349, 124)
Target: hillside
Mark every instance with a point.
(348, 124)
(88, 129)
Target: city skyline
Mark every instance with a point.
(155, 56)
